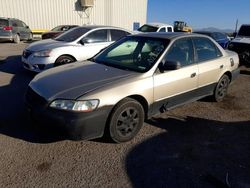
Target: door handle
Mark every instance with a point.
(193, 75)
(221, 66)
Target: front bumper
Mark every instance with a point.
(37, 64)
(73, 125)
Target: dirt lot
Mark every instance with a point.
(203, 144)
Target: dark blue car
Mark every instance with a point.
(219, 37)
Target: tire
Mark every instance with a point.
(126, 120)
(64, 59)
(221, 88)
(30, 37)
(16, 39)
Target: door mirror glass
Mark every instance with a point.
(169, 65)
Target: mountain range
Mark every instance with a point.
(215, 29)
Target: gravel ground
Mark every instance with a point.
(203, 144)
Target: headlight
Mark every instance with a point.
(44, 53)
(79, 106)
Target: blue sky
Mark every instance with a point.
(221, 14)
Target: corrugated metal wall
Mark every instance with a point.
(46, 14)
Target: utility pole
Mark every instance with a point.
(236, 26)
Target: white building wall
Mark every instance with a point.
(46, 14)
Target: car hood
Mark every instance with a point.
(241, 40)
(46, 44)
(74, 80)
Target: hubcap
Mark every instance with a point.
(65, 61)
(222, 88)
(127, 122)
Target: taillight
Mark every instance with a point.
(7, 28)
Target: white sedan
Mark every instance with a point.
(77, 44)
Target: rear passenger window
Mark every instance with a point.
(97, 36)
(170, 29)
(117, 34)
(206, 49)
(162, 29)
(181, 51)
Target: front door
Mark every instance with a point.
(175, 87)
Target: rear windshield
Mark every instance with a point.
(147, 28)
(72, 34)
(3, 22)
(244, 31)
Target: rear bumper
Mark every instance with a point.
(6, 37)
(235, 74)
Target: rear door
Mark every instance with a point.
(210, 61)
(175, 87)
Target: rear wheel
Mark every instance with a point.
(16, 39)
(64, 59)
(126, 120)
(221, 88)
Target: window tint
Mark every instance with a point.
(206, 49)
(244, 31)
(117, 34)
(3, 22)
(133, 53)
(147, 28)
(162, 29)
(19, 23)
(170, 29)
(181, 51)
(72, 34)
(97, 36)
(14, 23)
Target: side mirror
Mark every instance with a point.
(27, 27)
(166, 65)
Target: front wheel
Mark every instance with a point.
(64, 59)
(126, 120)
(221, 88)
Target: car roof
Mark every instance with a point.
(167, 35)
(8, 18)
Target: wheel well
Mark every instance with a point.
(142, 101)
(229, 74)
(68, 56)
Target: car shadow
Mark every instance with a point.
(192, 152)
(14, 118)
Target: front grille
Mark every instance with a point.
(32, 98)
(26, 53)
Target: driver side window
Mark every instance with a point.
(181, 51)
(97, 36)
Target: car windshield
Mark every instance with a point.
(134, 53)
(72, 34)
(3, 22)
(58, 28)
(244, 31)
(147, 28)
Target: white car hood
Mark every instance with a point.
(46, 44)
